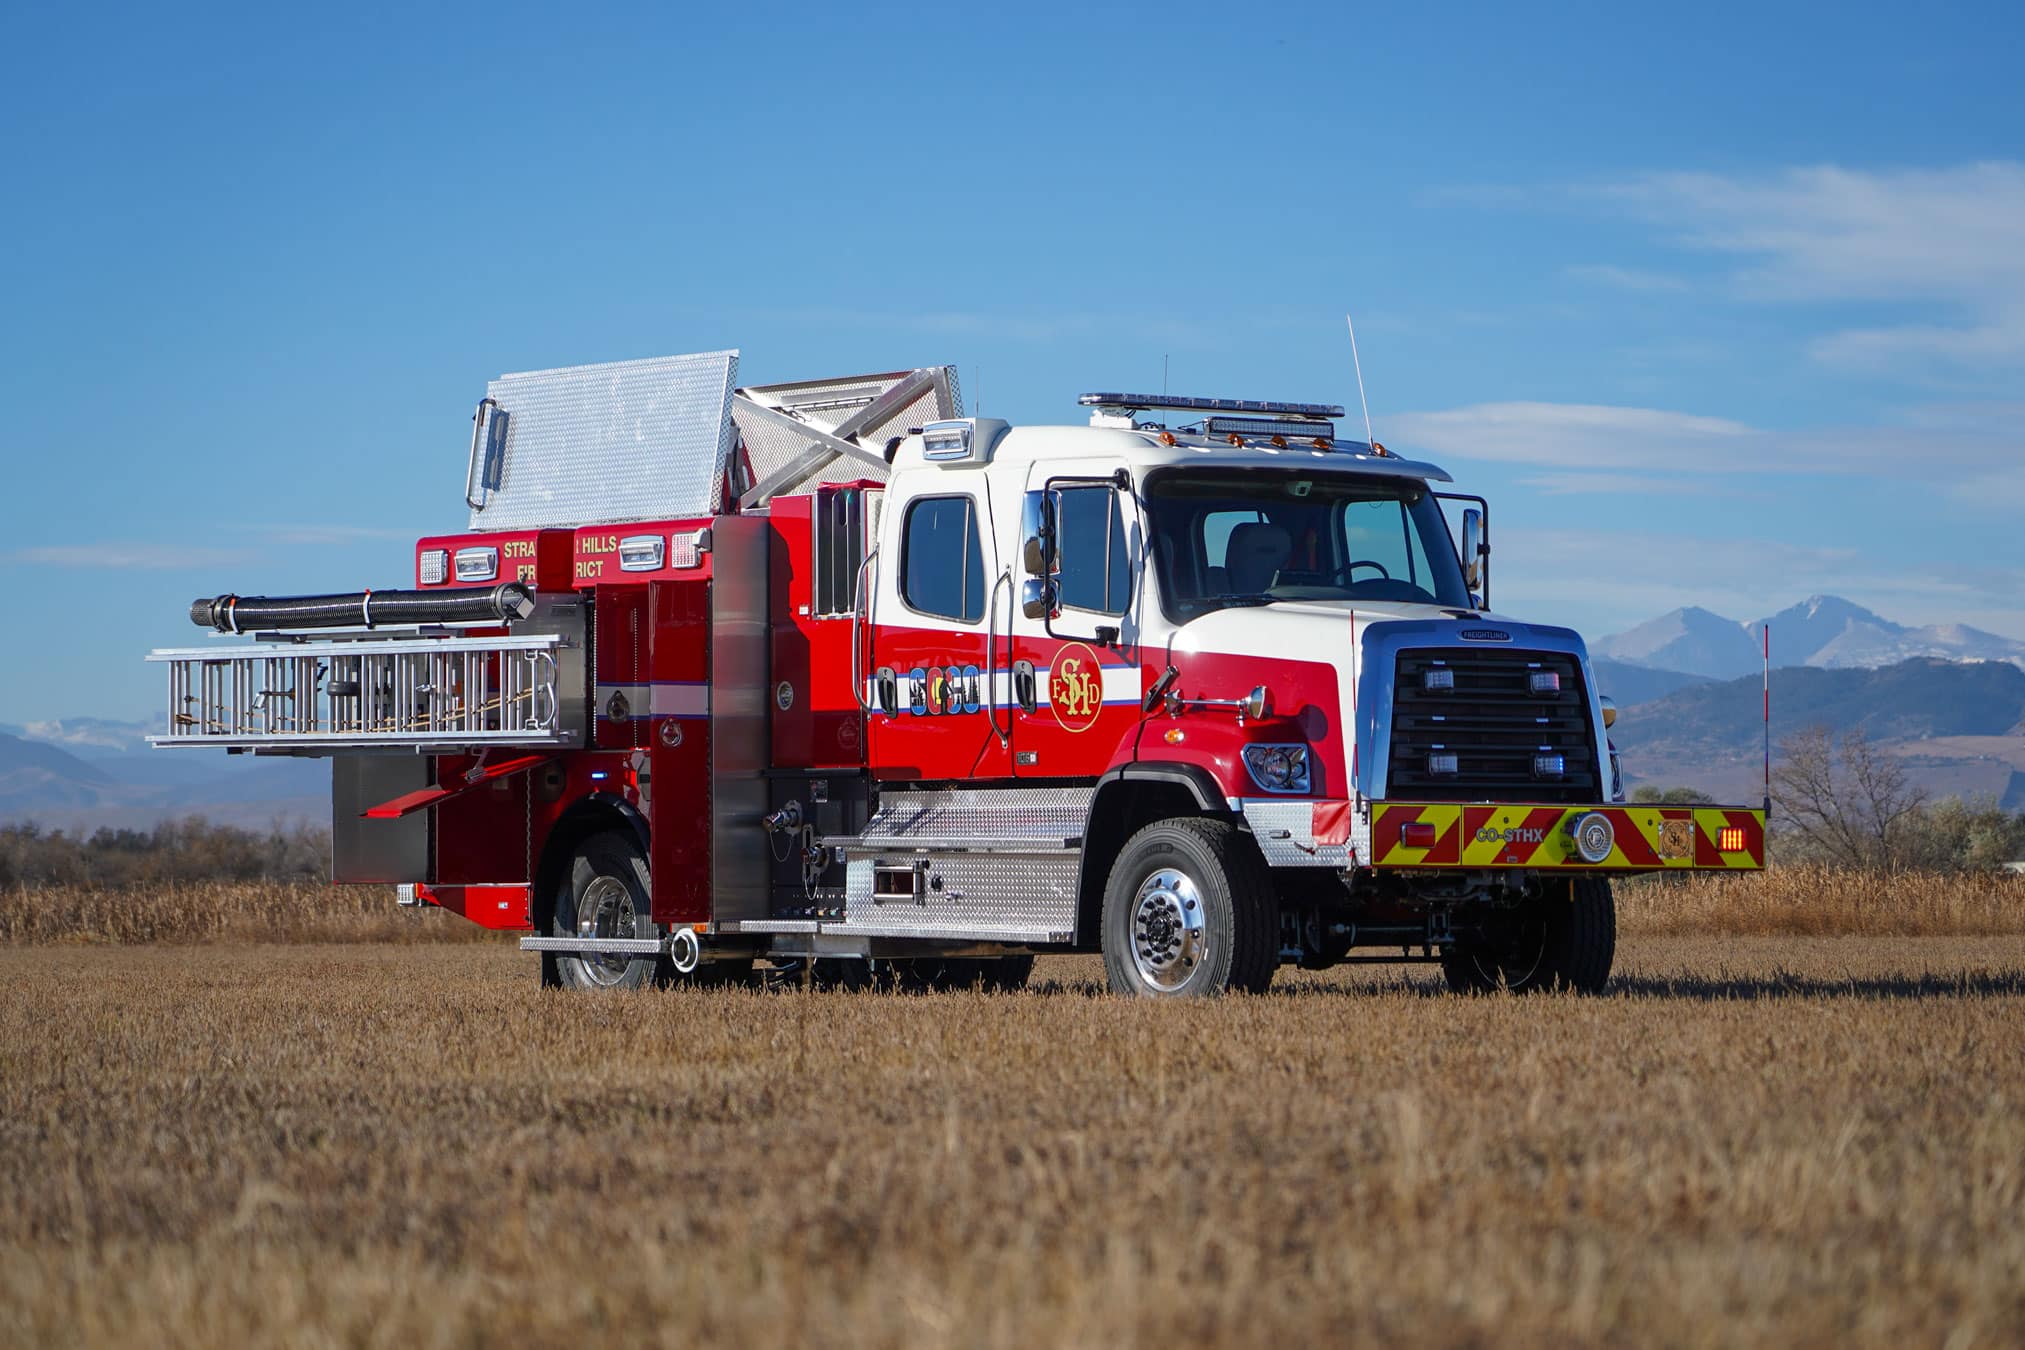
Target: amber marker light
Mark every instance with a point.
(1322, 442)
(1280, 441)
(1167, 438)
(1174, 736)
(1235, 439)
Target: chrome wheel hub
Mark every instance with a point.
(1169, 939)
(606, 911)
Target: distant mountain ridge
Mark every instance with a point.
(83, 772)
(1825, 631)
(1959, 727)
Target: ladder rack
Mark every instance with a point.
(333, 694)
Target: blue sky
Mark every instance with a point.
(1718, 305)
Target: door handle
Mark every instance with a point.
(860, 599)
(991, 656)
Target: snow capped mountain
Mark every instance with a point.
(1823, 630)
(1692, 641)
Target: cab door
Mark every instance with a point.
(938, 584)
(1076, 678)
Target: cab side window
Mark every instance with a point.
(1096, 573)
(941, 561)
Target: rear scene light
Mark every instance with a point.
(477, 564)
(1437, 678)
(1730, 839)
(1442, 761)
(1419, 834)
(642, 552)
(433, 567)
(1546, 682)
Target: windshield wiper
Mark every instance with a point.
(1248, 598)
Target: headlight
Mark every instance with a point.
(1278, 768)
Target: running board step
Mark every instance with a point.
(917, 843)
(596, 946)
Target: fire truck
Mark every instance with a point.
(829, 678)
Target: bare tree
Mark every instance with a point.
(1849, 801)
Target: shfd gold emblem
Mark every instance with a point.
(1076, 687)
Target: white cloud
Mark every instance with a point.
(1601, 448)
(137, 557)
(327, 534)
(1582, 436)
(1930, 237)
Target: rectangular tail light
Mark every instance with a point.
(1417, 834)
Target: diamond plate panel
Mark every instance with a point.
(970, 895)
(1286, 834)
(603, 444)
(1043, 817)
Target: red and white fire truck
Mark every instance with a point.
(829, 677)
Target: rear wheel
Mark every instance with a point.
(1188, 912)
(1564, 938)
(606, 895)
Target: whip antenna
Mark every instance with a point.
(1358, 366)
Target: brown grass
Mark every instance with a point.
(221, 911)
(1811, 900)
(1795, 900)
(1791, 1141)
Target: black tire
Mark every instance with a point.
(1153, 945)
(1565, 939)
(608, 889)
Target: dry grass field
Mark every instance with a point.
(1792, 1139)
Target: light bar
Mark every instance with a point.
(1265, 427)
(1137, 402)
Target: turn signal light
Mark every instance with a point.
(1418, 834)
(1730, 839)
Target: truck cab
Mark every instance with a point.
(1201, 686)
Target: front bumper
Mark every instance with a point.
(1640, 838)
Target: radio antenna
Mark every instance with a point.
(1359, 367)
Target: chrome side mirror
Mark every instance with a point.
(1037, 599)
(1037, 530)
(1474, 550)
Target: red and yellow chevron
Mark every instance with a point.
(1646, 838)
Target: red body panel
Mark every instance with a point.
(821, 724)
(540, 558)
(676, 727)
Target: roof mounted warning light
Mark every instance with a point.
(1316, 412)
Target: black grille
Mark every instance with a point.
(1494, 725)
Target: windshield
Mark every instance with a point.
(1253, 536)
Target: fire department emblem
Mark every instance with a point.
(1676, 839)
(1076, 687)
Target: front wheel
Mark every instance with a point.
(1565, 938)
(1188, 912)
